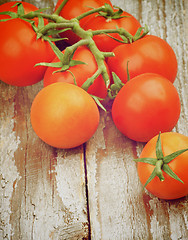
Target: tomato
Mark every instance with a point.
(20, 51)
(146, 105)
(74, 8)
(80, 72)
(64, 115)
(169, 188)
(148, 54)
(104, 42)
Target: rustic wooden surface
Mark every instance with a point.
(93, 191)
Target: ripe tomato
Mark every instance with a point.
(169, 188)
(146, 105)
(81, 73)
(148, 54)
(64, 115)
(74, 8)
(20, 51)
(104, 42)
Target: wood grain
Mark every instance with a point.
(93, 191)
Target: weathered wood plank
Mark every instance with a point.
(119, 209)
(42, 188)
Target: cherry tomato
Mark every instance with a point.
(104, 42)
(80, 72)
(169, 188)
(64, 115)
(74, 8)
(146, 105)
(148, 54)
(20, 51)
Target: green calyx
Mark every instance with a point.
(19, 14)
(161, 163)
(109, 13)
(118, 84)
(115, 87)
(65, 60)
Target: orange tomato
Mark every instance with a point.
(169, 188)
(64, 115)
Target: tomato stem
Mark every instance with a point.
(61, 6)
(158, 170)
(95, 10)
(120, 31)
(86, 36)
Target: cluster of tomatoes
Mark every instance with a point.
(141, 73)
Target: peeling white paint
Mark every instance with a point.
(9, 174)
(70, 180)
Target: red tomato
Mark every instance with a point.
(64, 115)
(148, 54)
(74, 8)
(81, 73)
(20, 51)
(104, 42)
(146, 105)
(169, 188)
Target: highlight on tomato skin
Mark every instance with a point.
(64, 115)
(170, 188)
(146, 105)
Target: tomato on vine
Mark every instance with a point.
(73, 9)
(109, 21)
(163, 165)
(148, 54)
(64, 115)
(146, 105)
(78, 73)
(20, 49)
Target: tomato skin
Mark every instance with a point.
(148, 54)
(74, 8)
(104, 42)
(20, 51)
(146, 105)
(81, 73)
(169, 188)
(64, 115)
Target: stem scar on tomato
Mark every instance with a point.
(161, 163)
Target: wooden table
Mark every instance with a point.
(92, 191)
